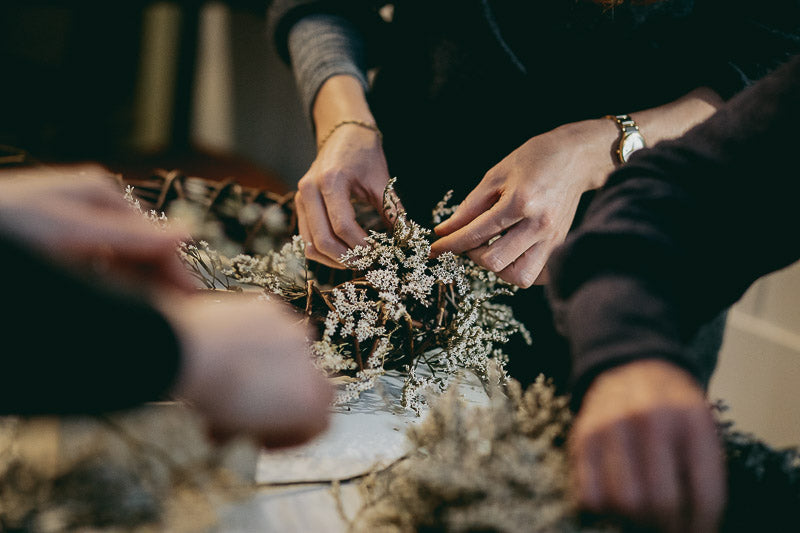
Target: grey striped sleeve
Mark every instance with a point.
(322, 46)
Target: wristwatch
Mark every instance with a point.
(630, 139)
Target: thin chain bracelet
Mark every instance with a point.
(367, 125)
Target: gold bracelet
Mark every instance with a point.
(367, 125)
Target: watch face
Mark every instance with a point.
(632, 142)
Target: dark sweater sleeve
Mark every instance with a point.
(71, 345)
(680, 232)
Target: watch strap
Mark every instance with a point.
(625, 122)
(627, 127)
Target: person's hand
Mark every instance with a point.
(350, 164)
(78, 215)
(528, 201)
(247, 368)
(644, 447)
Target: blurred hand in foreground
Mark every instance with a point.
(247, 368)
(644, 447)
(78, 214)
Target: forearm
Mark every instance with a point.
(340, 98)
(673, 119)
(321, 47)
(669, 121)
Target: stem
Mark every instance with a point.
(310, 290)
(324, 298)
(358, 354)
(440, 305)
(410, 324)
(451, 296)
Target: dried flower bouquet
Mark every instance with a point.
(396, 309)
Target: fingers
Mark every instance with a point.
(310, 399)
(513, 237)
(247, 368)
(478, 201)
(83, 186)
(342, 217)
(618, 470)
(390, 209)
(351, 165)
(662, 481)
(644, 448)
(89, 184)
(586, 473)
(621, 481)
(79, 214)
(128, 245)
(479, 231)
(326, 217)
(705, 475)
(313, 251)
(513, 257)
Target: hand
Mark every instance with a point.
(528, 201)
(350, 164)
(247, 368)
(78, 214)
(644, 446)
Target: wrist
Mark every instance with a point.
(647, 371)
(630, 138)
(350, 123)
(595, 137)
(341, 98)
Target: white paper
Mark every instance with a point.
(366, 435)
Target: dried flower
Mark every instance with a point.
(399, 309)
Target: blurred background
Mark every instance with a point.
(138, 84)
(197, 86)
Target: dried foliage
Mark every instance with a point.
(503, 467)
(396, 308)
(499, 467)
(763, 482)
(147, 470)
